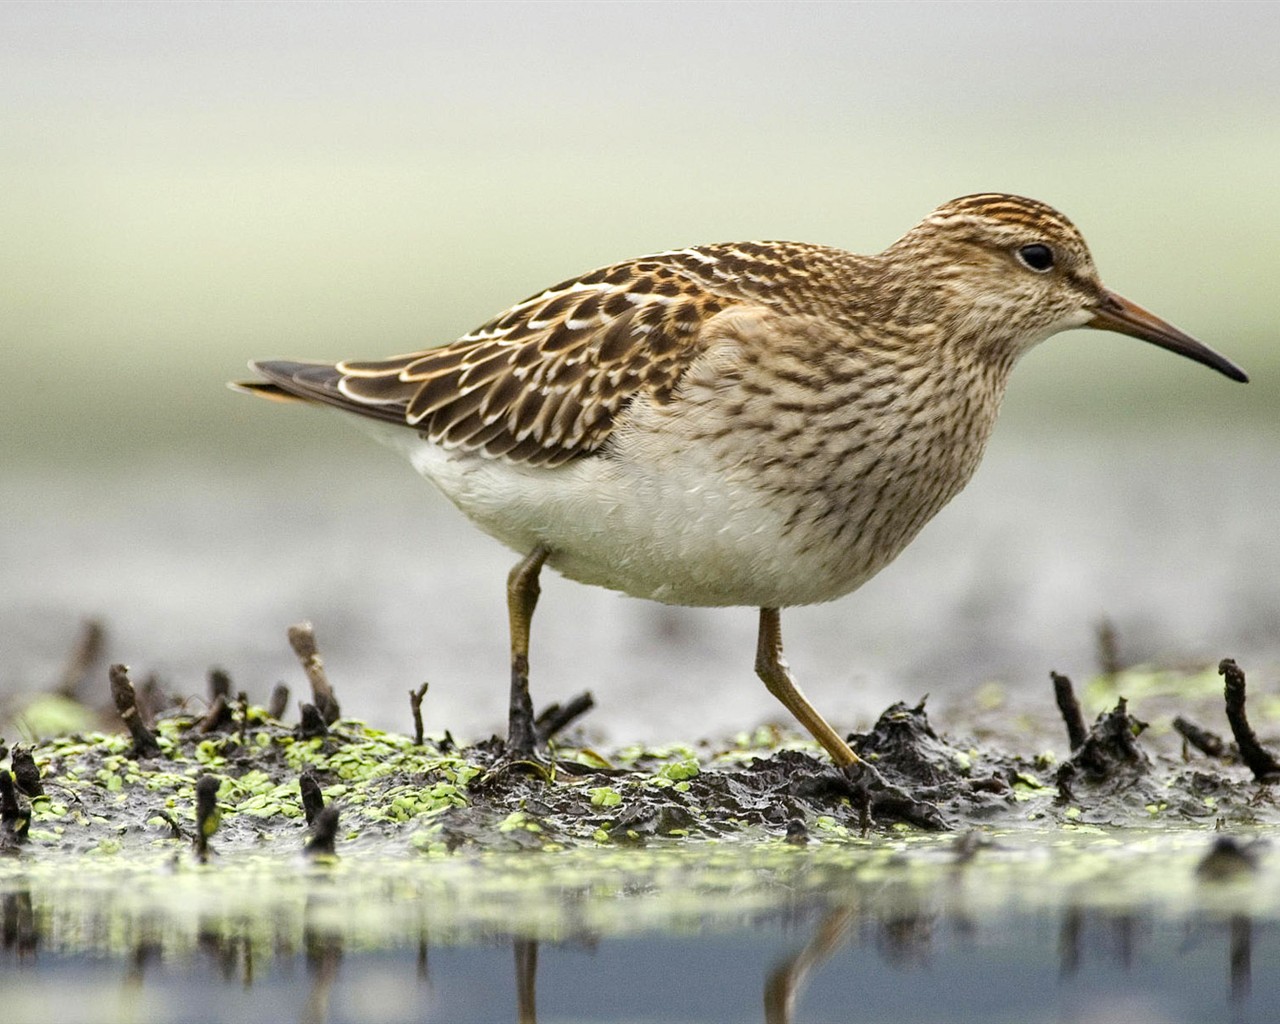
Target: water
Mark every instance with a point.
(1137, 970)
(1045, 929)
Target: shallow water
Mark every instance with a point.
(1060, 927)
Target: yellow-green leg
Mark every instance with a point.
(772, 667)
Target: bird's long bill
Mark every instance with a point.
(1116, 313)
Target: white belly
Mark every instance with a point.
(685, 535)
(681, 533)
(686, 512)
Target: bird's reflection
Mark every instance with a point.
(785, 981)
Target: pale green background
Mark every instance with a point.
(187, 186)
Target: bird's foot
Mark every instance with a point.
(528, 735)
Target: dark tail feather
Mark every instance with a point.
(289, 381)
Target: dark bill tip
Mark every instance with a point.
(1116, 313)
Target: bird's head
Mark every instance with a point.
(1009, 272)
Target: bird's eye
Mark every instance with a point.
(1037, 257)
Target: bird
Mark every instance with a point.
(747, 424)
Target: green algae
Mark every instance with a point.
(111, 901)
(397, 797)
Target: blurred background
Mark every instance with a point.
(188, 186)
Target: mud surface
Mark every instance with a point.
(220, 774)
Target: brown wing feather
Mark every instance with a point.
(544, 381)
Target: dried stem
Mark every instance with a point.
(85, 654)
(218, 716)
(312, 798)
(144, 740)
(556, 718)
(1264, 766)
(312, 723)
(1108, 648)
(302, 639)
(324, 831)
(1203, 740)
(207, 815)
(15, 820)
(279, 701)
(219, 684)
(26, 773)
(1069, 707)
(415, 705)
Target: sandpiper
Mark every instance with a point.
(763, 424)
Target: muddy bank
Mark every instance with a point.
(219, 773)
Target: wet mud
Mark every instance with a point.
(219, 773)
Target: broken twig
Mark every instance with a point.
(176, 830)
(26, 773)
(1069, 707)
(1203, 740)
(85, 654)
(1258, 759)
(312, 798)
(302, 639)
(150, 699)
(144, 740)
(207, 814)
(219, 684)
(324, 830)
(415, 706)
(279, 701)
(217, 717)
(1108, 648)
(555, 718)
(312, 723)
(15, 820)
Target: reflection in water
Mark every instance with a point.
(1069, 941)
(862, 951)
(526, 980)
(324, 954)
(1241, 956)
(19, 924)
(146, 956)
(906, 941)
(785, 982)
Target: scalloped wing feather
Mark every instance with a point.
(544, 382)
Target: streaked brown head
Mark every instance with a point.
(1015, 271)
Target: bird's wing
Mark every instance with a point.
(543, 382)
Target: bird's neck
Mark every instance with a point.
(919, 303)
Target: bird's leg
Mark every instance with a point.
(522, 598)
(773, 669)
